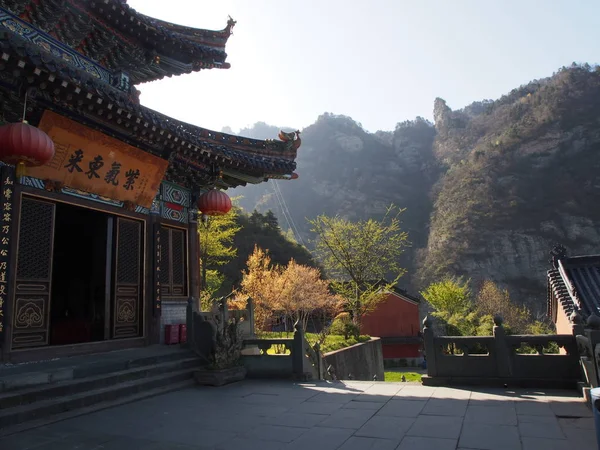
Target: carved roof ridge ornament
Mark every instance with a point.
(558, 252)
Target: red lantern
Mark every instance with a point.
(214, 203)
(24, 145)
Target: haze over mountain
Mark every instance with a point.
(488, 189)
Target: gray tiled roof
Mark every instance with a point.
(575, 283)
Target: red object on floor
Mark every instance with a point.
(171, 334)
(183, 333)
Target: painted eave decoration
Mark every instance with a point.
(61, 78)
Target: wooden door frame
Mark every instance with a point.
(32, 354)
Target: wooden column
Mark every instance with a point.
(155, 247)
(108, 278)
(194, 257)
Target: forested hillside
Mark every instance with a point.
(488, 189)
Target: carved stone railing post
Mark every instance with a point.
(298, 350)
(501, 350)
(224, 310)
(430, 348)
(319, 357)
(577, 327)
(250, 309)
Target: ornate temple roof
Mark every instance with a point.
(574, 282)
(59, 78)
(117, 37)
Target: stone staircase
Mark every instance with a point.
(36, 394)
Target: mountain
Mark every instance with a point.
(488, 189)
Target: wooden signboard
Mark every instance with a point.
(91, 161)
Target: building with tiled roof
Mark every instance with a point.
(99, 246)
(573, 286)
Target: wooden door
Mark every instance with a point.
(31, 317)
(127, 310)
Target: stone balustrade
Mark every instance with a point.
(500, 359)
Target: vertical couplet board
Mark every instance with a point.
(31, 312)
(157, 270)
(6, 220)
(128, 275)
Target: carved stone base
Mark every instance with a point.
(206, 377)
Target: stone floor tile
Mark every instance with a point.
(541, 429)
(275, 433)
(402, 408)
(367, 443)
(493, 415)
(491, 397)
(317, 408)
(447, 427)
(426, 443)
(347, 418)
(320, 438)
(415, 393)
(327, 397)
(586, 424)
(445, 407)
(183, 433)
(357, 385)
(533, 408)
(292, 419)
(489, 437)
(24, 441)
(363, 405)
(581, 439)
(524, 418)
(373, 398)
(128, 443)
(386, 427)
(575, 408)
(446, 392)
(536, 443)
(384, 389)
(246, 443)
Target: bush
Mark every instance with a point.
(343, 325)
(339, 322)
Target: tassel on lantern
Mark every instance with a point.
(20, 169)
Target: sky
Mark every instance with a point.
(378, 61)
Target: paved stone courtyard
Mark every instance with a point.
(321, 416)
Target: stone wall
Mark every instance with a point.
(359, 362)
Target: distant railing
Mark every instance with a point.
(500, 359)
(293, 358)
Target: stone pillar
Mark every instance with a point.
(429, 344)
(250, 309)
(501, 350)
(298, 351)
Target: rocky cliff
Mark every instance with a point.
(488, 189)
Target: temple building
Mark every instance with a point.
(99, 245)
(573, 288)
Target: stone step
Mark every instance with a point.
(36, 423)
(63, 370)
(27, 412)
(16, 397)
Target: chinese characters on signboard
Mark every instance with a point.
(157, 260)
(91, 161)
(6, 197)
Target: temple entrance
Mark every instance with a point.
(79, 264)
(79, 276)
